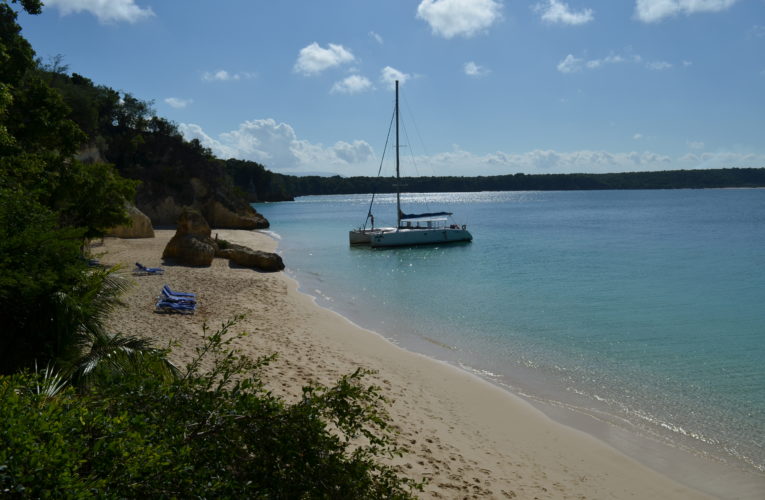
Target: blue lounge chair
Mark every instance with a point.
(171, 292)
(141, 270)
(164, 306)
(164, 296)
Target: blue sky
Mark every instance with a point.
(488, 86)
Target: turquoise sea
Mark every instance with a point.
(645, 309)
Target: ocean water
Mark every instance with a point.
(642, 308)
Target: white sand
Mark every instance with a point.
(469, 438)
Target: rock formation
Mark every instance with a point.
(221, 217)
(247, 257)
(191, 245)
(165, 211)
(139, 227)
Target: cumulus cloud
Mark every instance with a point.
(473, 69)
(389, 76)
(107, 11)
(353, 84)
(277, 146)
(651, 11)
(222, 75)
(460, 162)
(572, 64)
(357, 152)
(555, 12)
(450, 18)
(658, 65)
(177, 102)
(314, 59)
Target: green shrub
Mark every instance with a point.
(213, 434)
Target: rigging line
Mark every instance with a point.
(426, 157)
(379, 170)
(411, 150)
(425, 153)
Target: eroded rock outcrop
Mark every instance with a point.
(192, 244)
(139, 227)
(165, 212)
(256, 259)
(221, 217)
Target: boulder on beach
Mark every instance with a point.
(256, 259)
(191, 245)
(139, 226)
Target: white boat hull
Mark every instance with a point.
(364, 236)
(409, 237)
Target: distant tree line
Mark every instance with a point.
(259, 184)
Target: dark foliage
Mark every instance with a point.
(212, 434)
(263, 185)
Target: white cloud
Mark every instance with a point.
(177, 102)
(353, 84)
(358, 152)
(473, 69)
(658, 65)
(651, 11)
(637, 136)
(277, 146)
(222, 75)
(555, 12)
(107, 11)
(377, 38)
(570, 64)
(389, 76)
(450, 18)
(314, 59)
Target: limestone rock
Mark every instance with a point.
(140, 226)
(191, 244)
(221, 217)
(191, 222)
(257, 259)
(163, 212)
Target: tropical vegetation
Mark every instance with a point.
(89, 413)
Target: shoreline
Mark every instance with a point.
(697, 469)
(468, 436)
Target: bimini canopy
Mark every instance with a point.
(404, 216)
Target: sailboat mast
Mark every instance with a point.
(398, 177)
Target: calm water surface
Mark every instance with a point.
(645, 308)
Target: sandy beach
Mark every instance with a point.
(468, 438)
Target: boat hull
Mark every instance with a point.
(364, 236)
(411, 237)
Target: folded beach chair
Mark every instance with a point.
(164, 296)
(141, 270)
(165, 306)
(170, 291)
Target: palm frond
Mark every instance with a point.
(119, 354)
(49, 381)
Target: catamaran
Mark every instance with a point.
(411, 229)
